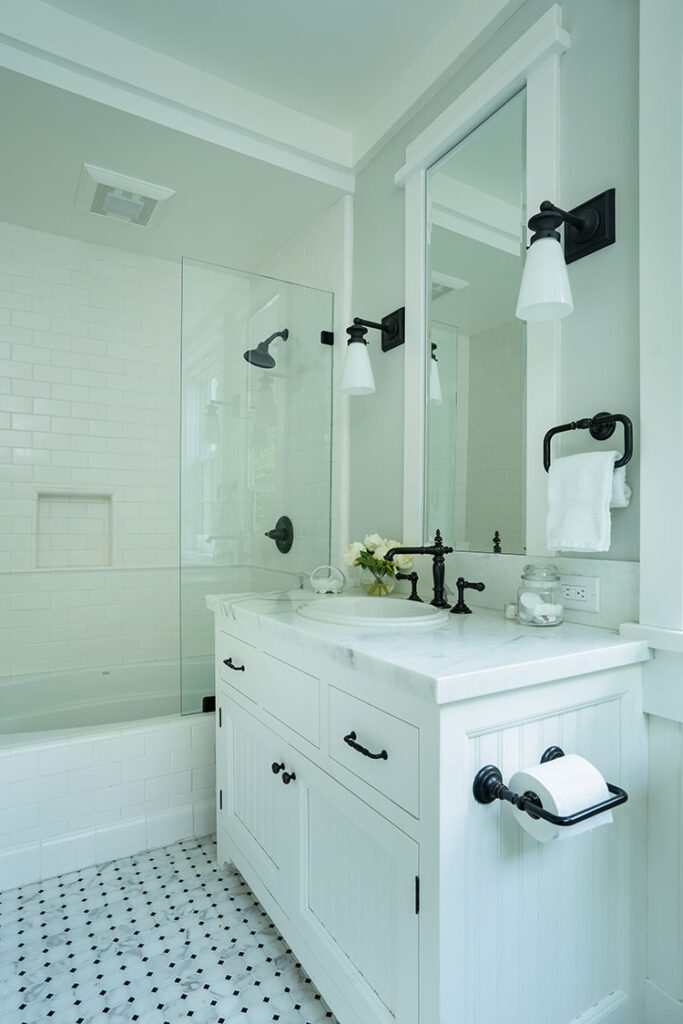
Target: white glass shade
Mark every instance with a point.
(357, 377)
(435, 393)
(545, 293)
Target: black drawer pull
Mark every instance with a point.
(288, 777)
(235, 668)
(277, 768)
(351, 741)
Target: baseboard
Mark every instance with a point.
(34, 862)
(661, 1008)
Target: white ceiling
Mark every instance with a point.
(322, 58)
(228, 208)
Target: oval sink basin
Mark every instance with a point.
(377, 612)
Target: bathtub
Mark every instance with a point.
(99, 764)
(67, 700)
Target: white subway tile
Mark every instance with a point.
(69, 853)
(120, 840)
(168, 826)
(19, 866)
(146, 767)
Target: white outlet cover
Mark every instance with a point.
(592, 585)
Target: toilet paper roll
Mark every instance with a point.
(564, 786)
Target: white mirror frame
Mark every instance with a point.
(533, 62)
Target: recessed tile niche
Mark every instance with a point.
(73, 531)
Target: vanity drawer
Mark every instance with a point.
(292, 696)
(397, 775)
(238, 664)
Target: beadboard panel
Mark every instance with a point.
(552, 929)
(359, 894)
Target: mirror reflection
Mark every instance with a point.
(476, 407)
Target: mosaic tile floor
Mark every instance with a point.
(161, 938)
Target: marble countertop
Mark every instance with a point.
(472, 655)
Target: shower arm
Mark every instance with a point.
(277, 334)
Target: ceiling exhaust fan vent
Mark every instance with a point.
(110, 194)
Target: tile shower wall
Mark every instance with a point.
(89, 397)
(321, 257)
(317, 258)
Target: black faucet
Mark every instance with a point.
(437, 550)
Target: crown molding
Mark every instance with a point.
(467, 31)
(54, 47)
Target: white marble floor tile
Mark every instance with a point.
(160, 938)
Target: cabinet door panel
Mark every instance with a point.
(257, 808)
(356, 898)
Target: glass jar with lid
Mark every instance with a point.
(539, 598)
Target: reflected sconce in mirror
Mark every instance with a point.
(435, 393)
(357, 376)
(545, 292)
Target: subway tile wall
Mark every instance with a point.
(89, 454)
(91, 796)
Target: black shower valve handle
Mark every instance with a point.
(283, 534)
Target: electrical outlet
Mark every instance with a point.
(581, 593)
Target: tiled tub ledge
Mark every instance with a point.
(70, 801)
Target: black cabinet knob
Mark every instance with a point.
(288, 777)
(277, 768)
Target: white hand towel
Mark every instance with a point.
(581, 490)
(621, 492)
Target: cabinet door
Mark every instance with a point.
(356, 898)
(258, 809)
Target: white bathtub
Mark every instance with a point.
(67, 700)
(88, 775)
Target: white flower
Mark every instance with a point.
(372, 541)
(352, 552)
(381, 550)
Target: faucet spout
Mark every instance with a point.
(437, 550)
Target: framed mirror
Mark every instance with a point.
(475, 467)
(475, 416)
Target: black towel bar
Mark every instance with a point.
(601, 427)
(488, 786)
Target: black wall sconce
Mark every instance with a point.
(545, 292)
(357, 377)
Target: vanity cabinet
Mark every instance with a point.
(405, 900)
(344, 876)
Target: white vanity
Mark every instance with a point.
(403, 898)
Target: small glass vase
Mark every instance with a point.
(375, 585)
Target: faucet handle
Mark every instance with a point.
(462, 584)
(413, 577)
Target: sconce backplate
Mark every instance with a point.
(578, 244)
(393, 329)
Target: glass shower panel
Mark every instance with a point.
(256, 444)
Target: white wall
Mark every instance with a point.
(89, 397)
(600, 341)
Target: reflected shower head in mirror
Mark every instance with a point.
(260, 356)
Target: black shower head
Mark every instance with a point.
(260, 356)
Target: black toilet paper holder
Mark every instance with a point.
(488, 786)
